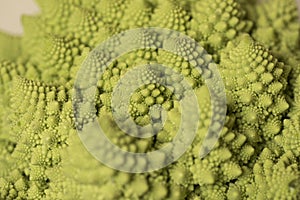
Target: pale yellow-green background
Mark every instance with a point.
(10, 11)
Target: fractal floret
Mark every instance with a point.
(253, 44)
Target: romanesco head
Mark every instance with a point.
(255, 48)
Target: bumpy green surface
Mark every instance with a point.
(256, 47)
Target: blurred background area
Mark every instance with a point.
(11, 11)
(10, 14)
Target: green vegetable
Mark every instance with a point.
(256, 48)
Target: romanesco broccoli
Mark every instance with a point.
(255, 46)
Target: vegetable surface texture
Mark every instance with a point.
(256, 49)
